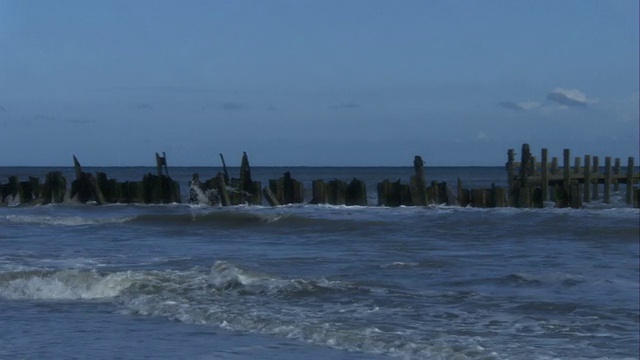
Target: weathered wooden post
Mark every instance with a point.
(222, 188)
(356, 193)
(525, 188)
(587, 178)
(85, 187)
(616, 173)
(566, 170)
(544, 175)
(418, 183)
(577, 166)
(497, 196)
(510, 179)
(336, 191)
(319, 195)
(224, 169)
(607, 180)
(384, 193)
(596, 185)
(55, 187)
(271, 198)
(246, 184)
(554, 166)
(463, 194)
(629, 180)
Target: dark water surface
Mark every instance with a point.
(309, 281)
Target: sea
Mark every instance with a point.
(300, 281)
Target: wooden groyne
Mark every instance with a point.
(533, 182)
(87, 187)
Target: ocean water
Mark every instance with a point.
(316, 281)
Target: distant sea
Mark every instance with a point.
(318, 281)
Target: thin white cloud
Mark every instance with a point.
(525, 105)
(481, 136)
(570, 97)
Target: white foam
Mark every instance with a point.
(64, 285)
(64, 220)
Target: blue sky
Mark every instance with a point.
(315, 82)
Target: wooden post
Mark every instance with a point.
(418, 183)
(544, 175)
(532, 166)
(270, 197)
(616, 172)
(336, 191)
(607, 179)
(566, 170)
(356, 193)
(630, 180)
(222, 187)
(587, 178)
(525, 189)
(577, 165)
(554, 165)
(463, 195)
(246, 184)
(596, 186)
(510, 180)
(224, 169)
(318, 192)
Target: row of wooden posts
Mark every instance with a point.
(152, 189)
(530, 184)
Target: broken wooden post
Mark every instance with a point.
(85, 187)
(272, 200)
(224, 169)
(222, 190)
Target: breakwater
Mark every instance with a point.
(335, 186)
